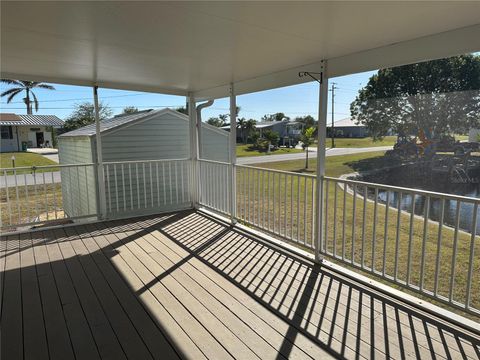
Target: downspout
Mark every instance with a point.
(199, 123)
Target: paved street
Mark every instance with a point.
(312, 154)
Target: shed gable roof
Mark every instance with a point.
(9, 119)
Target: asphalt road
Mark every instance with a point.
(312, 154)
(30, 179)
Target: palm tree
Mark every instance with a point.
(250, 127)
(27, 86)
(241, 123)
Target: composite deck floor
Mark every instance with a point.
(187, 286)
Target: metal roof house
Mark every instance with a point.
(144, 135)
(22, 131)
(264, 263)
(348, 128)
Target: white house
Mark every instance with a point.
(22, 131)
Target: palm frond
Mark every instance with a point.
(35, 100)
(12, 95)
(44, 86)
(11, 82)
(9, 91)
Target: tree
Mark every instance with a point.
(439, 96)
(182, 109)
(307, 138)
(130, 110)
(307, 121)
(216, 122)
(279, 116)
(84, 114)
(241, 125)
(272, 137)
(27, 86)
(250, 127)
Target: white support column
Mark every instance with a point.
(322, 134)
(102, 200)
(233, 154)
(194, 150)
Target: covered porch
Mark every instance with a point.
(196, 258)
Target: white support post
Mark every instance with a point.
(102, 200)
(194, 150)
(233, 154)
(322, 134)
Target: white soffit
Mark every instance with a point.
(200, 47)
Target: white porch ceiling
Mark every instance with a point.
(181, 47)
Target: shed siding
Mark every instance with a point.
(79, 191)
(214, 144)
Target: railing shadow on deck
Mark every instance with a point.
(293, 293)
(334, 312)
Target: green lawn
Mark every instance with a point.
(361, 142)
(246, 150)
(24, 159)
(297, 220)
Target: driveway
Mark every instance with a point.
(312, 154)
(30, 179)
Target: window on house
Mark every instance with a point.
(6, 132)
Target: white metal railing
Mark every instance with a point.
(147, 186)
(34, 195)
(215, 185)
(422, 240)
(278, 202)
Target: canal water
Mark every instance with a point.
(406, 179)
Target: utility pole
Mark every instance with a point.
(332, 129)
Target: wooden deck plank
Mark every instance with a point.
(260, 320)
(195, 330)
(58, 334)
(193, 284)
(68, 268)
(81, 335)
(34, 335)
(180, 340)
(150, 333)
(126, 334)
(12, 317)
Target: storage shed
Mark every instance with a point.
(144, 135)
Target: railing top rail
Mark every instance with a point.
(142, 161)
(44, 167)
(278, 171)
(406, 190)
(214, 162)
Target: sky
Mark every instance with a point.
(294, 101)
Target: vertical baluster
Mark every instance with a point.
(292, 180)
(334, 235)
(312, 220)
(26, 194)
(138, 185)
(116, 186)
(249, 198)
(364, 215)
(182, 169)
(354, 216)
(263, 198)
(151, 184)
(268, 200)
(54, 196)
(397, 237)
(470, 260)
(176, 183)
(273, 198)
(298, 208)
(424, 241)
(259, 189)
(158, 185)
(344, 222)
(327, 190)
(131, 185)
(410, 239)
(385, 234)
(36, 195)
(123, 188)
(285, 205)
(305, 211)
(87, 191)
(107, 171)
(9, 206)
(170, 181)
(374, 230)
(18, 197)
(454, 252)
(144, 174)
(439, 247)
